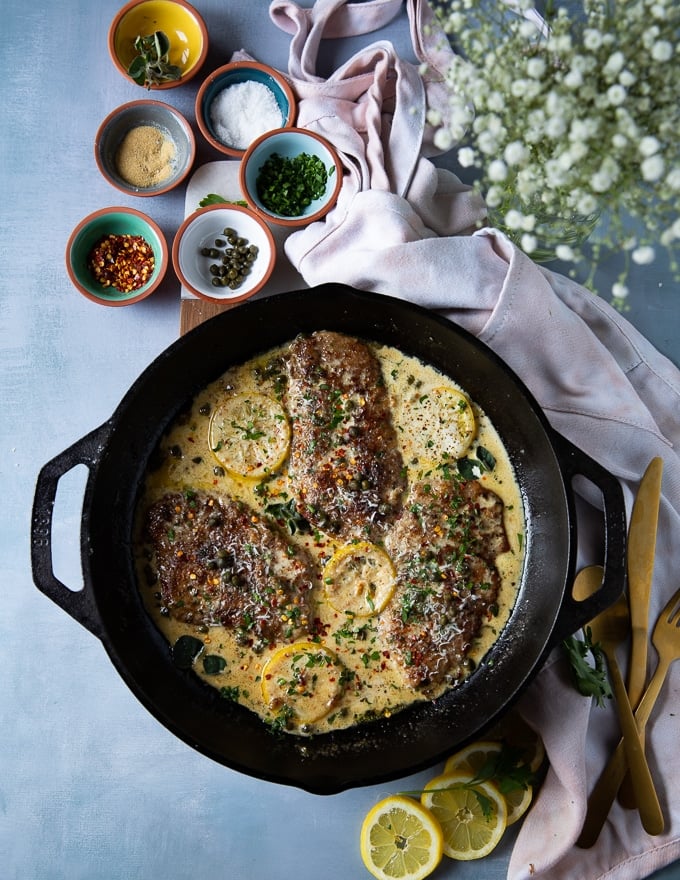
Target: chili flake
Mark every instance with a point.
(125, 262)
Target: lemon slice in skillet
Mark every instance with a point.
(249, 434)
(400, 840)
(439, 425)
(359, 579)
(305, 678)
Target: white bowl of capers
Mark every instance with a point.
(224, 253)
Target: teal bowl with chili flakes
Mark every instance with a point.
(116, 256)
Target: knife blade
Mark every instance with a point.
(640, 561)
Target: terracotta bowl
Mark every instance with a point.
(113, 221)
(205, 229)
(288, 144)
(178, 20)
(235, 74)
(172, 127)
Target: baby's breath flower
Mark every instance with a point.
(649, 145)
(652, 168)
(515, 153)
(613, 65)
(616, 94)
(592, 39)
(662, 51)
(565, 253)
(466, 157)
(513, 219)
(529, 243)
(643, 255)
(498, 170)
(577, 115)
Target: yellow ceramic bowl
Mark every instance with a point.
(181, 23)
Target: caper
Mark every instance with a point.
(205, 252)
(228, 231)
(216, 281)
(214, 269)
(220, 242)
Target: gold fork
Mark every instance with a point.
(666, 640)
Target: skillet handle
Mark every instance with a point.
(80, 604)
(575, 614)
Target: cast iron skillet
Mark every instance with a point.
(109, 605)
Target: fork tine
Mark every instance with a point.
(668, 614)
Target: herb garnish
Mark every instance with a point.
(506, 769)
(590, 680)
(289, 515)
(214, 199)
(151, 65)
(472, 468)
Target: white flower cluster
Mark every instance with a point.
(575, 115)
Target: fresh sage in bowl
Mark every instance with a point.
(151, 66)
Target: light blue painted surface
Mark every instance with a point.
(91, 786)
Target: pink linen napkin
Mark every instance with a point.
(403, 227)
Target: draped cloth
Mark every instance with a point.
(403, 227)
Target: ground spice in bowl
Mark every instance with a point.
(145, 156)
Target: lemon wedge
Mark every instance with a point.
(359, 579)
(439, 425)
(472, 815)
(249, 434)
(472, 758)
(400, 840)
(305, 677)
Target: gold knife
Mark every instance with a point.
(640, 558)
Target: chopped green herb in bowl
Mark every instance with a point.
(291, 177)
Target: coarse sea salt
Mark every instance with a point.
(244, 111)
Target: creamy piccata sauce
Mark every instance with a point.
(346, 647)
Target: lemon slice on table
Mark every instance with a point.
(400, 840)
(359, 579)
(440, 424)
(305, 677)
(472, 815)
(249, 434)
(514, 731)
(472, 758)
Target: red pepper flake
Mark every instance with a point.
(125, 262)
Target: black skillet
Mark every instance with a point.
(109, 605)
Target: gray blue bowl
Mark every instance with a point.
(171, 125)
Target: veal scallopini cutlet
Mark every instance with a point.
(444, 547)
(346, 470)
(221, 564)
